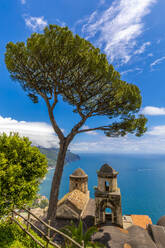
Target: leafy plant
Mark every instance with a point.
(44, 203)
(76, 233)
(12, 236)
(39, 202)
(21, 168)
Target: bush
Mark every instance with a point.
(21, 168)
(12, 236)
(77, 233)
(40, 202)
(44, 203)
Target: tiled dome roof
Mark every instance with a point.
(106, 169)
(79, 173)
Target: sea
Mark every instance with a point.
(141, 181)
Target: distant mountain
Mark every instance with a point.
(51, 154)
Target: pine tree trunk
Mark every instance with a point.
(56, 181)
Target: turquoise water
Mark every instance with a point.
(141, 180)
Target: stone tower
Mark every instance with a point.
(107, 195)
(79, 180)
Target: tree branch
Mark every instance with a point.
(103, 128)
(54, 124)
(55, 101)
(75, 129)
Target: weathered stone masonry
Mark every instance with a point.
(107, 195)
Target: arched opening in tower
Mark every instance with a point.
(108, 215)
(106, 186)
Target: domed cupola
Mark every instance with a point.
(79, 180)
(107, 171)
(107, 179)
(78, 173)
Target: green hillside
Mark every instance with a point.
(51, 154)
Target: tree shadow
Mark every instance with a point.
(103, 239)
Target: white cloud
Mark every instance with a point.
(158, 131)
(127, 145)
(23, 1)
(157, 61)
(153, 142)
(35, 23)
(91, 132)
(131, 70)
(102, 2)
(150, 110)
(61, 23)
(39, 133)
(117, 28)
(142, 48)
(126, 72)
(42, 134)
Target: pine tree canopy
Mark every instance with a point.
(59, 63)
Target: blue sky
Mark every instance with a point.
(131, 33)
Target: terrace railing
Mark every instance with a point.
(45, 235)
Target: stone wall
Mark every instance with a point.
(111, 184)
(79, 183)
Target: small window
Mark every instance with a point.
(106, 186)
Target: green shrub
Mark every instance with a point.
(77, 233)
(44, 203)
(12, 236)
(39, 202)
(21, 168)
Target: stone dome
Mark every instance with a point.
(161, 221)
(105, 168)
(107, 171)
(78, 173)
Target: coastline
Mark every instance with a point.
(51, 168)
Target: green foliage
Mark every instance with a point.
(59, 63)
(39, 202)
(79, 236)
(11, 236)
(21, 168)
(44, 203)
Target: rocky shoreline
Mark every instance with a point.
(52, 153)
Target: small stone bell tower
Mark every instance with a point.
(79, 180)
(107, 195)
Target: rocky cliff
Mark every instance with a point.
(51, 154)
